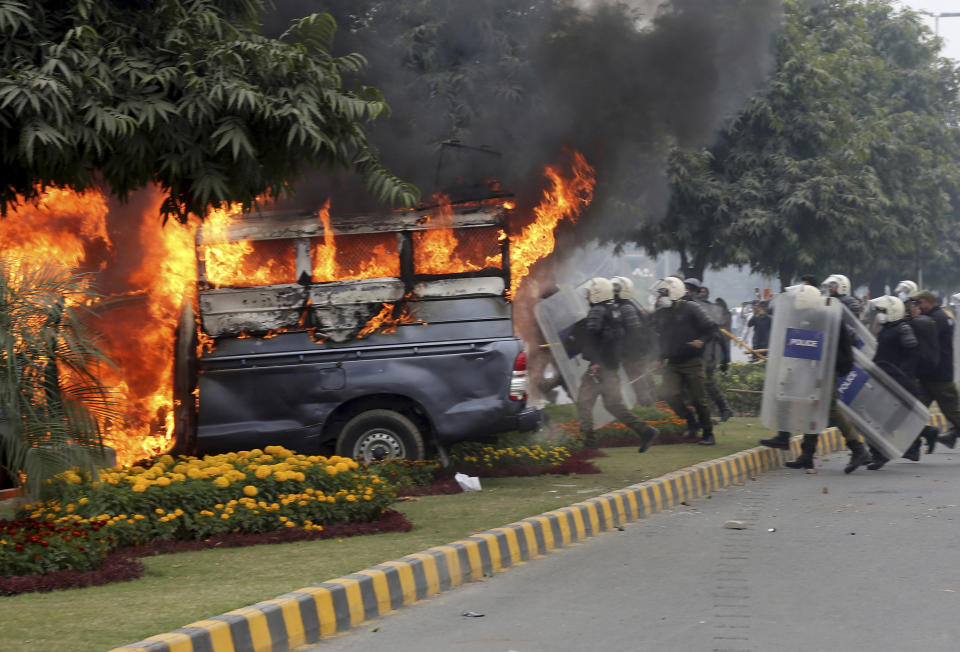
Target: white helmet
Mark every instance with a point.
(807, 296)
(622, 287)
(905, 288)
(671, 287)
(841, 281)
(891, 306)
(599, 290)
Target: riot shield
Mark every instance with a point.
(886, 414)
(556, 316)
(866, 340)
(799, 379)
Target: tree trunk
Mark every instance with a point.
(785, 273)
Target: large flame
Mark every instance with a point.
(351, 257)
(439, 250)
(146, 270)
(564, 199)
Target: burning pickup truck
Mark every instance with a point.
(377, 337)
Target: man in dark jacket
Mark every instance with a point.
(684, 329)
(760, 323)
(639, 345)
(935, 380)
(601, 337)
(713, 352)
(898, 356)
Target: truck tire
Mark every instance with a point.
(378, 435)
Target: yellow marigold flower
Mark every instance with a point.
(290, 524)
(225, 517)
(299, 476)
(250, 490)
(163, 482)
(280, 476)
(366, 497)
(221, 482)
(331, 470)
(309, 491)
(166, 460)
(139, 517)
(263, 472)
(139, 488)
(342, 466)
(178, 512)
(351, 497)
(158, 511)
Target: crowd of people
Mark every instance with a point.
(686, 338)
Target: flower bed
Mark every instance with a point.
(250, 492)
(616, 434)
(491, 462)
(122, 565)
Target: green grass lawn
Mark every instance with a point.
(183, 587)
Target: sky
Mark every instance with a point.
(949, 27)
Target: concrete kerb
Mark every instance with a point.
(306, 615)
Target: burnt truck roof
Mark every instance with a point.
(336, 310)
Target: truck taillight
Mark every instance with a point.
(518, 380)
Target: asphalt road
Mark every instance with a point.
(872, 564)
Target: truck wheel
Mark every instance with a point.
(379, 435)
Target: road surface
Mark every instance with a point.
(861, 562)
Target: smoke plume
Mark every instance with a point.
(622, 82)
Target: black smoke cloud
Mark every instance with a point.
(620, 82)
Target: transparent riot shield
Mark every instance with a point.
(866, 340)
(556, 316)
(799, 379)
(886, 414)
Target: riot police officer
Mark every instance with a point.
(601, 337)
(683, 330)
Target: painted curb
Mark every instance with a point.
(306, 615)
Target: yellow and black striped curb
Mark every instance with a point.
(308, 614)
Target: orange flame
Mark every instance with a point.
(439, 250)
(389, 318)
(244, 263)
(147, 280)
(565, 199)
(350, 257)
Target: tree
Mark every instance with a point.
(846, 162)
(51, 398)
(183, 93)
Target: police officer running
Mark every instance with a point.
(808, 297)
(714, 348)
(684, 329)
(638, 344)
(602, 337)
(897, 355)
(935, 380)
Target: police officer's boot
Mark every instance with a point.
(807, 449)
(913, 453)
(950, 439)
(693, 429)
(781, 441)
(878, 459)
(858, 456)
(930, 434)
(725, 410)
(647, 438)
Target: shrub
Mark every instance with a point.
(747, 377)
(488, 461)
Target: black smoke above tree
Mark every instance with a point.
(620, 82)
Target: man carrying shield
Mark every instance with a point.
(809, 348)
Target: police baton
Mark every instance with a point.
(743, 344)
